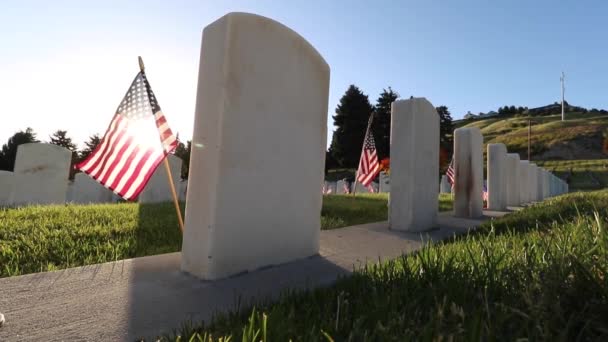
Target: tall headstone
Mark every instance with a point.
(524, 182)
(414, 165)
(261, 102)
(468, 165)
(444, 186)
(512, 174)
(385, 182)
(158, 188)
(41, 174)
(6, 187)
(497, 177)
(85, 189)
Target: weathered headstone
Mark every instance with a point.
(7, 182)
(524, 182)
(84, 189)
(414, 165)
(512, 174)
(262, 101)
(497, 177)
(385, 182)
(41, 174)
(468, 166)
(158, 188)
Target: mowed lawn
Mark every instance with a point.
(46, 238)
(539, 274)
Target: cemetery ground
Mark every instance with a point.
(540, 273)
(47, 238)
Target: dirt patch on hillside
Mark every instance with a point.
(584, 147)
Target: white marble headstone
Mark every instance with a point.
(41, 174)
(158, 188)
(6, 187)
(84, 189)
(261, 102)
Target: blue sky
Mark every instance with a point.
(67, 64)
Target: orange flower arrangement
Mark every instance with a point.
(385, 165)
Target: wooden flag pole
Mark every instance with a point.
(174, 193)
(142, 68)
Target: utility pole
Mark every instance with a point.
(562, 79)
(529, 137)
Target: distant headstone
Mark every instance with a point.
(360, 189)
(533, 181)
(41, 174)
(512, 174)
(385, 182)
(414, 165)
(547, 185)
(444, 186)
(261, 102)
(331, 188)
(85, 189)
(468, 166)
(343, 187)
(524, 182)
(7, 181)
(497, 177)
(158, 188)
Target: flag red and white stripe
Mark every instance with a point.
(136, 142)
(450, 173)
(368, 164)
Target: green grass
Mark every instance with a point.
(547, 131)
(47, 238)
(537, 274)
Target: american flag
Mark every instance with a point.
(346, 187)
(368, 164)
(485, 192)
(136, 142)
(450, 173)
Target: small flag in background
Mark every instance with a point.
(485, 192)
(136, 142)
(346, 187)
(368, 164)
(450, 172)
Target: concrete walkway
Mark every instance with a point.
(146, 297)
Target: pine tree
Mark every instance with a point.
(446, 130)
(91, 145)
(381, 125)
(350, 120)
(183, 151)
(8, 154)
(60, 138)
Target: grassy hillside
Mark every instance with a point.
(579, 137)
(572, 149)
